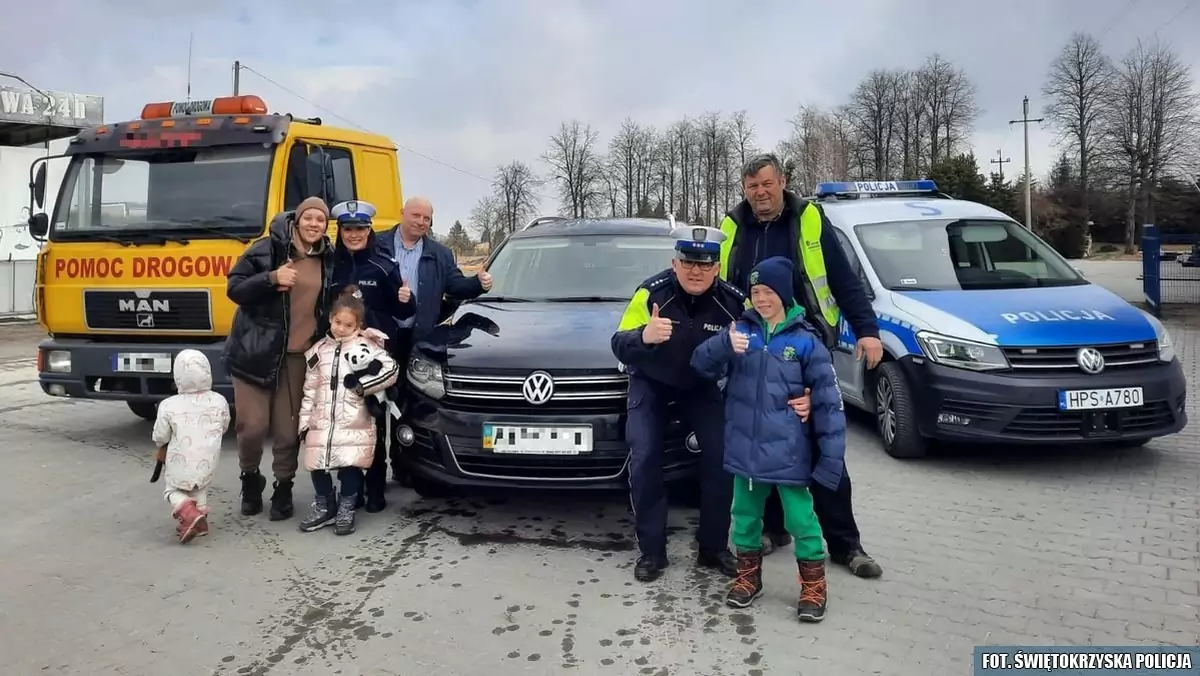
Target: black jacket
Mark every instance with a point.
(696, 318)
(845, 285)
(257, 342)
(437, 276)
(379, 280)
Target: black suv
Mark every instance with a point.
(520, 387)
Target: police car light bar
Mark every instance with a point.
(227, 105)
(923, 186)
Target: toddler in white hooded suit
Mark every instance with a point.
(191, 425)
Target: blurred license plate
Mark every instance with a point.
(528, 440)
(141, 362)
(1090, 400)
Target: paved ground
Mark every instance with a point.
(1046, 546)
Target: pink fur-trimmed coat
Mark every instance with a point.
(335, 423)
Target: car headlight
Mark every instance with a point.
(959, 353)
(1166, 348)
(57, 361)
(426, 376)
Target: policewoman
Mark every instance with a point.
(669, 315)
(358, 261)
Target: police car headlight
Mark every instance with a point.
(426, 376)
(959, 353)
(1166, 348)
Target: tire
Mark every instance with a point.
(146, 410)
(895, 415)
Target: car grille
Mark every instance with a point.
(1063, 358)
(1050, 423)
(500, 391)
(153, 311)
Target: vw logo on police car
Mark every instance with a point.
(538, 388)
(1090, 360)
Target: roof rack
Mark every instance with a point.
(543, 220)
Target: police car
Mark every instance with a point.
(989, 334)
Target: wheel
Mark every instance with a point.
(146, 410)
(428, 488)
(895, 414)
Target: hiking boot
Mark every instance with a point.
(253, 484)
(281, 501)
(747, 586)
(860, 563)
(773, 541)
(722, 560)
(375, 501)
(323, 513)
(649, 568)
(190, 518)
(344, 522)
(811, 606)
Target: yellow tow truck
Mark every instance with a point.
(151, 215)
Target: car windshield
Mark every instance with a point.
(942, 255)
(215, 191)
(576, 268)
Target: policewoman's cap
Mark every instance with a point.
(698, 243)
(353, 213)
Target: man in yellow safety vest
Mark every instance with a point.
(772, 221)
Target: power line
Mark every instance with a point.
(1112, 23)
(1182, 10)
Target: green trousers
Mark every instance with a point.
(749, 503)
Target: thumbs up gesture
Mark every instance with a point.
(285, 277)
(739, 340)
(485, 280)
(405, 293)
(658, 329)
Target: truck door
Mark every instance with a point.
(317, 168)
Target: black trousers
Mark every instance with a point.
(835, 512)
(376, 476)
(401, 350)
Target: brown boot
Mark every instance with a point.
(813, 597)
(191, 521)
(747, 586)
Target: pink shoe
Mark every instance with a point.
(192, 521)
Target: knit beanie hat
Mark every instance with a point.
(312, 203)
(778, 274)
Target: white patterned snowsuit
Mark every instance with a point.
(192, 425)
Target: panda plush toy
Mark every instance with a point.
(359, 363)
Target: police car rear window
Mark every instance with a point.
(961, 255)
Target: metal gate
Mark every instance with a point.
(17, 288)
(1170, 276)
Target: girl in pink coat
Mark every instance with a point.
(336, 426)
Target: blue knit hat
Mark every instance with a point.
(778, 274)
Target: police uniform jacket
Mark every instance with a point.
(694, 320)
(379, 280)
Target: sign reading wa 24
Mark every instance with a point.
(143, 267)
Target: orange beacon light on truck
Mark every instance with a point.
(228, 105)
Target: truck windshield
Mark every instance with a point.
(194, 193)
(945, 255)
(577, 267)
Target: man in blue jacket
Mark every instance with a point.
(772, 221)
(669, 315)
(430, 274)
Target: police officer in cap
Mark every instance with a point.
(669, 315)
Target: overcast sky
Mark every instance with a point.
(465, 85)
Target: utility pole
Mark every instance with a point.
(1000, 160)
(237, 76)
(1028, 178)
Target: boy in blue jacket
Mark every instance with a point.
(772, 355)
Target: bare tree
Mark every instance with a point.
(623, 156)
(743, 136)
(1077, 89)
(949, 106)
(515, 190)
(1150, 127)
(485, 220)
(576, 167)
(874, 113)
(911, 124)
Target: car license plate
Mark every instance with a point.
(1090, 400)
(533, 440)
(141, 362)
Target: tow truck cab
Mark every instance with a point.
(151, 215)
(989, 335)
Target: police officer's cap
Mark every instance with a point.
(353, 214)
(698, 243)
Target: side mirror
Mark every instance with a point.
(39, 225)
(38, 186)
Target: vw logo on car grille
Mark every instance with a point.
(538, 388)
(1090, 360)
